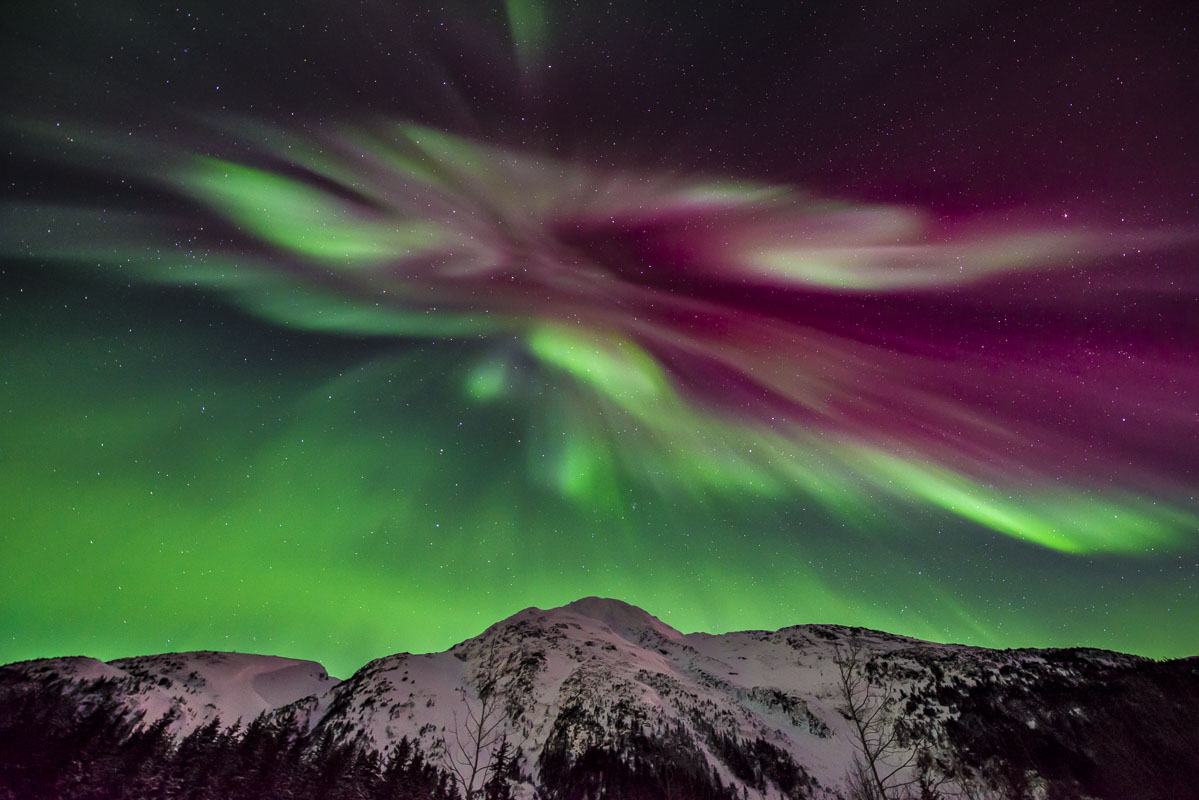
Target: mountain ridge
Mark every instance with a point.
(599, 691)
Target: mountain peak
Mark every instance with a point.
(759, 711)
(623, 618)
(591, 606)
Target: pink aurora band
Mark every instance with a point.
(710, 336)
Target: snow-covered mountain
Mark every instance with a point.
(599, 694)
(198, 687)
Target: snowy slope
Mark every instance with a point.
(574, 677)
(603, 680)
(198, 686)
(615, 663)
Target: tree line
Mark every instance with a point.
(55, 745)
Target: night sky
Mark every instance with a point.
(333, 330)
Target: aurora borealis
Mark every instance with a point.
(336, 333)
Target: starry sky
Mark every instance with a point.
(335, 330)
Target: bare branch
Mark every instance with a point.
(473, 756)
(884, 769)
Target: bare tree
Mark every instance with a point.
(883, 769)
(481, 730)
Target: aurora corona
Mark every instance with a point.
(400, 230)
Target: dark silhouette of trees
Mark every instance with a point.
(1062, 727)
(635, 763)
(57, 744)
(1103, 731)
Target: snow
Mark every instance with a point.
(601, 655)
(198, 686)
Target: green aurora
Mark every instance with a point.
(334, 390)
(201, 481)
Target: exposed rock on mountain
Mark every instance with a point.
(600, 699)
